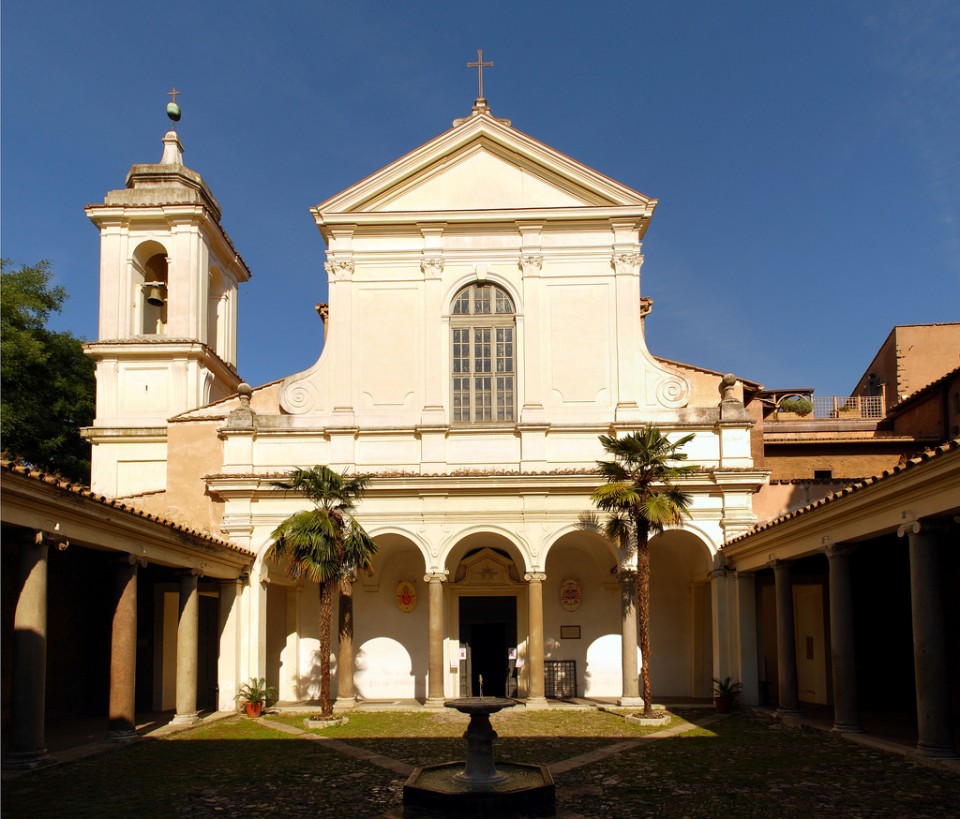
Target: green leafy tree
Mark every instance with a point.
(642, 501)
(324, 544)
(48, 388)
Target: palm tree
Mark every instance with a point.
(642, 501)
(324, 544)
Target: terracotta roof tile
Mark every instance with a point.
(66, 485)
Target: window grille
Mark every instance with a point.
(483, 356)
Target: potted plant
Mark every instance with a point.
(255, 695)
(725, 694)
(796, 407)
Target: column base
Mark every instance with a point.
(937, 751)
(27, 760)
(434, 702)
(630, 702)
(122, 735)
(847, 728)
(788, 715)
(536, 702)
(344, 703)
(186, 719)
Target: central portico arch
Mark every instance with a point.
(487, 616)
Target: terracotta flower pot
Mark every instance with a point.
(724, 705)
(253, 709)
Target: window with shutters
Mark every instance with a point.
(483, 356)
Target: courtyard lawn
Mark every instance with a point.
(738, 766)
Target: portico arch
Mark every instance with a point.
(680, 615)
(582, 610)
(391, 612)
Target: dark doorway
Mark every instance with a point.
(488, 630)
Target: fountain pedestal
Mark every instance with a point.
(477, 786)
(480, 768)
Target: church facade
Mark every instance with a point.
(484, 327)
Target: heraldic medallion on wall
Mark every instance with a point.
(570, 594)
(406, 596)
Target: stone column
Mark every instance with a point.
(123, 653)
(187, 650)
(846, 713)
(346, 695)
(628, 639)
(435, 695)
(747, 635)
(27, 748)
(929, 643)
(535, 689)
(786, 642)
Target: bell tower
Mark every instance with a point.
(167, 338)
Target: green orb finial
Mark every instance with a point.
(173, 110)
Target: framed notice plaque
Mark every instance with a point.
(569, 632)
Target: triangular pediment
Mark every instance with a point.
(485, 165)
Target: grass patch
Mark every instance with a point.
(739, 766)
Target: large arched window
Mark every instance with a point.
(483, 356)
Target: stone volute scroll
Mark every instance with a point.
(657, 387)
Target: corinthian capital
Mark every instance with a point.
(627, 263)
(530, 264)
(431, 266)
(339, 269)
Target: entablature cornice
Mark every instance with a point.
(327, 221)
(124, 434)
(161, 349)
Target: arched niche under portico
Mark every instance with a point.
(581, 613)
(681, 643)
(390, 608)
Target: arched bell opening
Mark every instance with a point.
(150, 284)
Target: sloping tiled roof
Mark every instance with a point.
(65, 485)
(924, 457)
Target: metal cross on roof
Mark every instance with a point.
(480, 65)
(173, 94)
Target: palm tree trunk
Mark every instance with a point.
(326, 617)
(643, 617)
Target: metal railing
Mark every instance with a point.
(832, 407)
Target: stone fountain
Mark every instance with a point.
(479, 785)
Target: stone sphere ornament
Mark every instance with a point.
(173, 111)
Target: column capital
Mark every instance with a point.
(530, 264)
(436, 576)
(627, 574)
(834, 550)
(431, 266)
(776, 564)
(43, 538)
(535, 577)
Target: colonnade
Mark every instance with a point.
(27, 742)
(929, 639)
(536, 694)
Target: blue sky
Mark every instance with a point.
(806, 156)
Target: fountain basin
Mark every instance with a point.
(526, 790)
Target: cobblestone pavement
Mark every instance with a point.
(741, 766)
